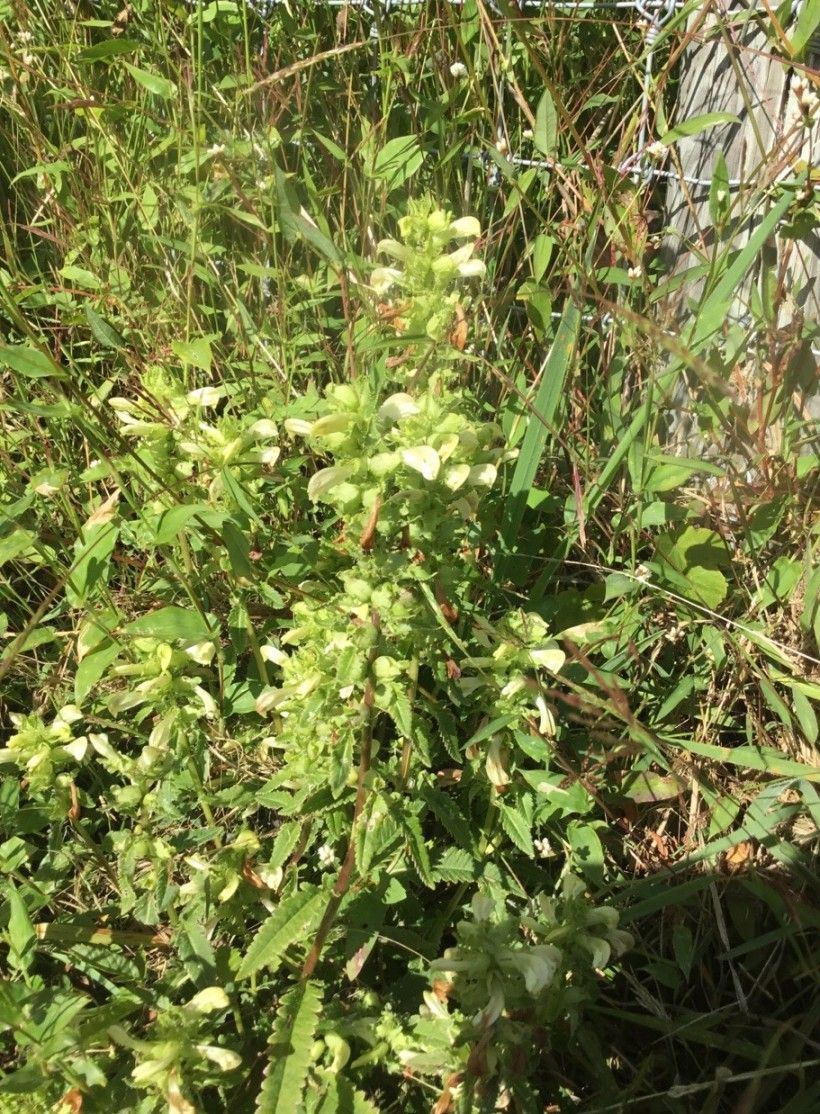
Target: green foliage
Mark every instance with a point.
(392, 719)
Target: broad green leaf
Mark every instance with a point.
(15, 543)
(489, 729)
(291, 922)
(805, 714)
(20, 932)
(30, 362)
(808, 20)
(647, 787)
(238, 548)
(618, 584)
(397, 161)
(159, 86)
(545, 132)
(297, 225)
(108, 48)
(541, 255)
(542, 415)
(92, 667)
(691, 560)
(695, 125)
(79, 276)
(720, 198)
(587, 851)
(171, 624)
(92, 559)
(289, 1051)
(196, 352)
(104, 333)
(176, 519)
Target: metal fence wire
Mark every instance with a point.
(651, 17)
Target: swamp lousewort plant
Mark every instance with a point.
(395, 719)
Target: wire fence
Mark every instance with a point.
(643, 165)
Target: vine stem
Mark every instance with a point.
(342, 883)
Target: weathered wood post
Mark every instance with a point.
(736, 63)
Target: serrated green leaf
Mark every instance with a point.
(455, 865)
(290, 1051)
(444, 809)
(517, 827)
(342, 1098)
(290, 921)
(416, 846)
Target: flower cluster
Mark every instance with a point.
(178, 1048)
(507, 972)
(45, 752)
(419, 284)
(180, 445)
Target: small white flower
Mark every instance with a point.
(224, 1059)
(635, 272)
(201, 652)
(205, 396)
(210, 999)
(423, 459)
(329, 424)
(546, 721)
(656, 149)
(326, 857)
(392, 248)
(397, 406)
(383, 278)
(263, 429)
(466, 227)
(458, 70)
(326, 479)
